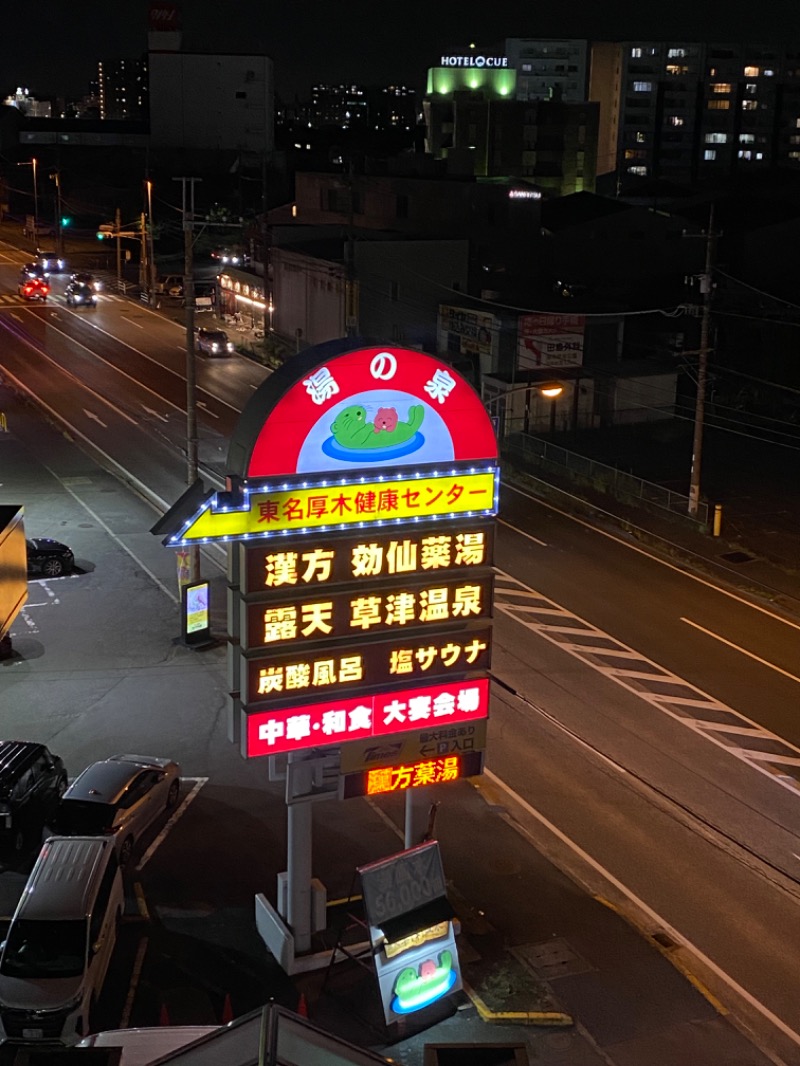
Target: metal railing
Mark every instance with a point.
(540, 453)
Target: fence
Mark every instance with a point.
(534, 451)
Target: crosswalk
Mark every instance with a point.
(55, 299)
(706, 716)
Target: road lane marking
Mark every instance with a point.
(653, 915)
(154, 414)
(744, 651)
(522, 533)
(648, 555)
(771, 755)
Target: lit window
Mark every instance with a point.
(768, 73)
(752, 72)
(640, 172)
(676, 68)
(676, 120)
(797, 123)
(759, 155)
(794, 155)
(794, 140)
(676, 53)
(719, 105)
(749, 105)
(746, 138)
(745, 153)
(751, 88)
(636, 53)
(642, 86)
(716, 138)
(710, 153)
(721, 87)
(640, 137)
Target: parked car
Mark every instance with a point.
(34, 289)
(170, 285)
(79, 294)
(59, 943)
(32, 781)
(121, 797)
(49, 557)
(213, 342)
(51, 261)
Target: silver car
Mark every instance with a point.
(122, 796)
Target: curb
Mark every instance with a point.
(550, 1018)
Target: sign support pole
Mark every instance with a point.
(298, 855)
(418, 802)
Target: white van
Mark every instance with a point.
(58, 946)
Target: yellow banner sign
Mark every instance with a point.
(382, 501)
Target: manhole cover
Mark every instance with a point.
(553, 958)
(736, 557)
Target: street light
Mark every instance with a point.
(151, 253)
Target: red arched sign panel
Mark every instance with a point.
(368, 408)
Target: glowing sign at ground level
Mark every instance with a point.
(277, 510)
(336, 721)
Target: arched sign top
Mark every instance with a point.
(364, 408)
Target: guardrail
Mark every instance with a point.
(526, 449)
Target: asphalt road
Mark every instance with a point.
(647, 715)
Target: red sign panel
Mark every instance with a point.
(335, 721)
(364, 410)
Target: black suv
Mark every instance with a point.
(32, 781)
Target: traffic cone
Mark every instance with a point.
(163, 1018)
(227, 1009)
(302, 1006)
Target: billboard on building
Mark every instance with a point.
(550, 340)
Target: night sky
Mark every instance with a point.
(52, 46)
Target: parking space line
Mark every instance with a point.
(133, 987)
(176, 815)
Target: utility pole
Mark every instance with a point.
(117, 228)
(56, 177)
(706, 287)
(151, 256)
(191, 367)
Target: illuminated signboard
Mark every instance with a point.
(293, 673)
(335, 721)
(413, 775)
(337, 559)
(279, 510)
(334, 409)
(433, 742)
(474, 61)
(327, 616)
(195, 611)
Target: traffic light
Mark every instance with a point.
(104, 231)
(65, 221)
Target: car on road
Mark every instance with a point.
(79, 294)
(121, 796)
(51, 261)
(33, 270)
(83, 277)
(32, 781)
(213, 342)
(48, 557)
(230, 256)
(170, 285)
(34, 289)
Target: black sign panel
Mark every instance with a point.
(315, 560)
(388, 662)
(322, 615)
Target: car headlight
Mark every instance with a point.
(214, 347)
(229, 346)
